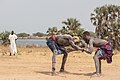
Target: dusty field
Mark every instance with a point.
(35, 64)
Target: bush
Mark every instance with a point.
(4, 37)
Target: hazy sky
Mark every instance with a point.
(38, 15)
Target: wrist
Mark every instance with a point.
(83, 50)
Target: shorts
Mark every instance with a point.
(53, 46)
(105, 53)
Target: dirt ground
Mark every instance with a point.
(35, 64)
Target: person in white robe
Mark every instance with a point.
(13, 38)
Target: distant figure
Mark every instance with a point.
(13, 38)
(57, 45)
(104, 50)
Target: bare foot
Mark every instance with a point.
(96, 75)
(54, 74)
(10, 54)
(61, 70)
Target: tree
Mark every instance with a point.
(52, 30)
(107, 21)
(92, 34)
(71, 23)
(63, 30)
(39, 34)
(4, 37)
(23, 35)
(72, 27)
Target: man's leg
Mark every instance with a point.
(11, 50)
(54, 61)
(15, 51)
(65, 55)
(51, 45)
(97, 63)
(100, 66)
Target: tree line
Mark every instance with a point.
(5, 34)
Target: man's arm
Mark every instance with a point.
(74, 46)
(15, 37)
(90, 48)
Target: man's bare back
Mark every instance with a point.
(63, 40)
(97, 42)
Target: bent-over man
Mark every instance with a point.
(57, 45)
(104, 50)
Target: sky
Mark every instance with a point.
(33, 16)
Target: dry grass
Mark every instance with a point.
(35, 64)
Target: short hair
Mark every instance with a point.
(12, 32)
(86, 33)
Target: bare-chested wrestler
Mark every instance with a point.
(104, 51)
(57, 45)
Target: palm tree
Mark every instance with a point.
(52, 30)
(64, 30)
(107, 19)
(72, 27)
(71, 23)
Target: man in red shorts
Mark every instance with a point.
(104, 50)
(57, 44)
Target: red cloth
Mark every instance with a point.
(53, 37)
(106, 51)
(105, 43)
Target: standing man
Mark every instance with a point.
(13, 38)
(57, 45)
(104, 50)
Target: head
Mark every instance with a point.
(86, 35)
(12, 32)
(76, 39)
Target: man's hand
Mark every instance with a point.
(82, 49)
(70, 50)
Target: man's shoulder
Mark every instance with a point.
(100, 39)
(14, 35)
(10, 35)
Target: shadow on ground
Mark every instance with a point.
(66, 72)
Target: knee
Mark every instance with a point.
(55, 52)
(95, 57)
(66, 54)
